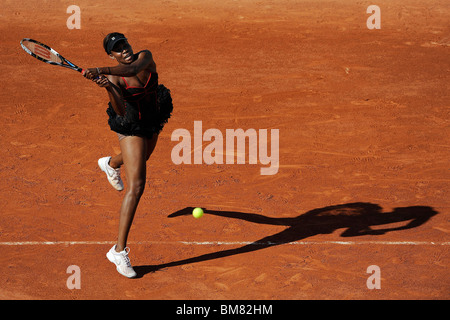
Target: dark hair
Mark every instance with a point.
(108, 37)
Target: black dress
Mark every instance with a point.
(147, 109)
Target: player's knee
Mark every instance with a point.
(137, 188)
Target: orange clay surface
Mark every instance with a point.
(363, 119)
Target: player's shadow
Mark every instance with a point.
(357, 219)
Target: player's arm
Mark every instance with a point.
(143, 61)
(111, 84)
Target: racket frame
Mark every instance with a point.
(68, 64)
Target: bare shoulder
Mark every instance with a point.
(145, 52)
(145, 57)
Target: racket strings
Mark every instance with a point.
(41, 51)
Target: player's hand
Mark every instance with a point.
(102, 82)
(91, 73)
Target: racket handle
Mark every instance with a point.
(83, 71)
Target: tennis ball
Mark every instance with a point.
(197, 213)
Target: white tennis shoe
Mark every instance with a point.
(122, 262)
(112, 174)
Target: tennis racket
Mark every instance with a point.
(46, 54)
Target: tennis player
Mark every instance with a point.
(138, 110)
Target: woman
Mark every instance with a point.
(138, 110)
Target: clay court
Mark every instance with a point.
(363, 177)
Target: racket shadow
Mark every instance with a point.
(356, 218)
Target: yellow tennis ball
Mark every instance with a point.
(197, 213)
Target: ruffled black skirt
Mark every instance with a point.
(151, 121)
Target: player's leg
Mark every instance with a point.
(134, 151)
(112, 173)
(151, 144)
(117, 161)
(111, 166)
